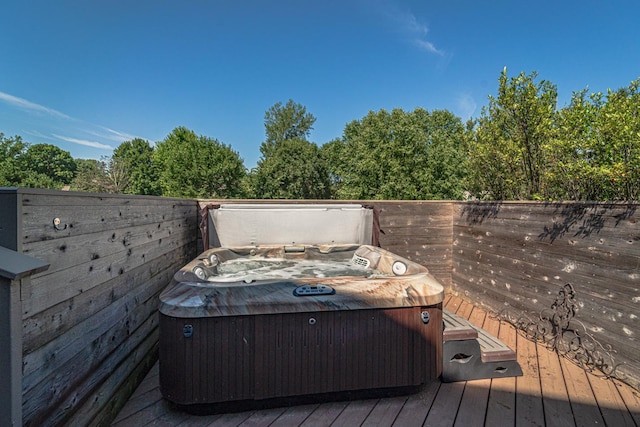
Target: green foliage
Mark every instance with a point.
(282, 123)
(506, 156)
(293, 170)
(91, 175)
(135, 159)
(291, 167)
(197, 166)
(446, 155)
(10, 151)
(520, 148)
(399, 155)
(46, 166)
(596, 155)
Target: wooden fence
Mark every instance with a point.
(515, 257)
(89, 321)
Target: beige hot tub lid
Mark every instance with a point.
(246, 224)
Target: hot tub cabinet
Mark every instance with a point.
(253, 336)
(268, 356)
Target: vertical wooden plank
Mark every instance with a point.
(324, 415)
(612, 406)
(631, 399)
(262, 418)
(355, 413)
(501, 405)
(473, 405)
(454, 303)
(417, 406)
(445, 406)
(385, 412)
(583, 402)
(529, 408)
(294, 415)
(555, 398)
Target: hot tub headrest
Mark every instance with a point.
(233, 225)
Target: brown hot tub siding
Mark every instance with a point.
(263, 356)
(257, 340)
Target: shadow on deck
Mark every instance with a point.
(552, 391)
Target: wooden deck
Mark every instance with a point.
(552, 392)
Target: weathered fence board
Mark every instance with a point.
(90, 322)
(47, 291)
(519, 255)
(81, 220)
(46, 325)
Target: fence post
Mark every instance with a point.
(15, 270)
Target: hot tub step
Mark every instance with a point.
(471, 353)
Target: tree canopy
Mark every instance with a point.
(521, 147)
(135, 157)
(10, 150)
(507, 157)
(285, 122)
(197, 166)
(291, 167)
(399, 155)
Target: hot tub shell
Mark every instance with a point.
(262, 338)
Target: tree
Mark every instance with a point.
(91, 175)
(286, 122)
(596, 152)
(446, 165)
(46, 166)
(569, 155)
(291, 167)
(616, 146)
(398, 155)
(118, 174)
(197, 166)
(507, 156)
(135, 157)
(294, 169)
(10, 151)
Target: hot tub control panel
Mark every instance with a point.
(309, 290)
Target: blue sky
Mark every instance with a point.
(88, 75)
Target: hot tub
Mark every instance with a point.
(257, 322)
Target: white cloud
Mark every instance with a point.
(466, 106)
(112, 135)
(428, 46)
(31, 106)
(119, 136)
(63, 123)
(414, 30)
(84, 142)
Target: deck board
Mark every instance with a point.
(529, 394)
(473, 406)
(501, 409)
(551, 392)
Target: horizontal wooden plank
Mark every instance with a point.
(603, 250)
(78, 220)
(44, 326)
(616, 286)
(104, 331)
(96, 401)
(38, 197)
(69, 251)
(47, 291)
